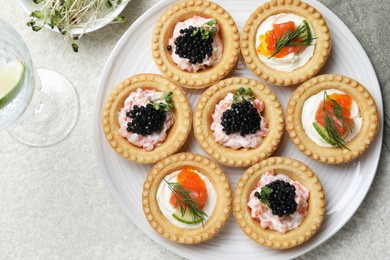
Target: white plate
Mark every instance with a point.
(28, 6)
(345, 185)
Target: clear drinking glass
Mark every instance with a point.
(45, 109)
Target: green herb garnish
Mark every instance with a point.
(207, 29)
(264, 195)
(330, 122)
(68, 14)
(163, 102)
(301, 36)
(185, 202)
(243, 95)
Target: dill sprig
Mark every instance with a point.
(66, 15)
(163, 102)
(243, 95)
(301, 36)
(330, 122)
(207, 29)
(185, 201)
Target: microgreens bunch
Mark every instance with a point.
(264, 194)
(68, 14)
(243, 95)
(207, 29)
(163, 102)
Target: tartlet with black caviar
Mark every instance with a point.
(279, 203)
(238, 122)
(196, 43)
(146, 118)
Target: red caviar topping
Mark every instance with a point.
(268, 41)
(345, 102)
(192, 182)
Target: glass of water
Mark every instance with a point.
(38, 107)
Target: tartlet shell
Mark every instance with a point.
(217, 178)
(163, 31)
(283, 78)
(367, 108)
(177, 134)
(316, 203)
(237, 157)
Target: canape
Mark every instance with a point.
(279, 203)
(187, 198)
(285, 42)
(146, 118)
(238, 122)
(332, 118)
(196, 43)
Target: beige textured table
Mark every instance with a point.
(54, 203)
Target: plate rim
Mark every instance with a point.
(97, 132)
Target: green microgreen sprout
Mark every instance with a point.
(163, 102)
(264, 195)
(207, 29)
(243, 95)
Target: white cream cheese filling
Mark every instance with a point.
(309, 111)
(291, 61)
(164, 195)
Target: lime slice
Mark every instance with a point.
(186, 218)
(321, 131)
(11, 81)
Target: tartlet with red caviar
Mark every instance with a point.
(332, 118)
(187, 198)
(285, 42)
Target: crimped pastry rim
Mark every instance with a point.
(163, 31)
(161, 224)
(296, 170)
(237, 157)
(368, 111)
(307, 71)
(177, 134)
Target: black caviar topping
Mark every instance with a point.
(146, 119)
(279, 196)
(192, 46)
(242, 117)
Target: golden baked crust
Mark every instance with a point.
(295, 170)
(367, 108)
(228, 32)
(284, 78)
(161, 224)
(272, 112)
(177, 134)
